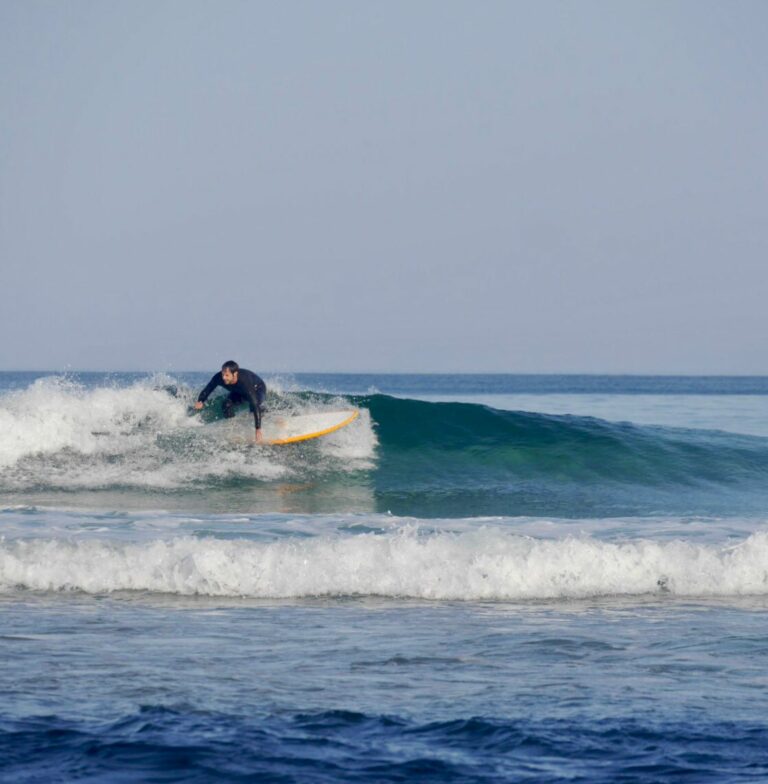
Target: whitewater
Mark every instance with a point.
(483, 578)
(489, 563)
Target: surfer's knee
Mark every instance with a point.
(228, 407)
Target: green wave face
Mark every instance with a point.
(457, 459)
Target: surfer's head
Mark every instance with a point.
(229, 372)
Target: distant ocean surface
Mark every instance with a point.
(484, 578)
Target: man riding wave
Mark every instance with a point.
(244, 387)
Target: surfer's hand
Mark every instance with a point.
(259, 438)
(198, 405)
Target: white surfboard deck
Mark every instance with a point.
(278, 430)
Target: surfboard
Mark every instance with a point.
(279, 428)
(303, 427)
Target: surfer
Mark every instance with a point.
(244, 387)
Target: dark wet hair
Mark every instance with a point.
(231, 366)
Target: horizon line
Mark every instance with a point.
(635, 374)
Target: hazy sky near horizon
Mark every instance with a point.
(384, 186)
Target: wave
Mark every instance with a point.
(567, 447)
(60, 434)
(482, 564)
(473, 459)
(410, 457)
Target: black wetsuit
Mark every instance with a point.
(248, 388)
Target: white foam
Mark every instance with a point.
(479, 565)
(55, 413)
(354, 444)
(58, 433)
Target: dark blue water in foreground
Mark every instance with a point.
(485, 579)
(161, 744)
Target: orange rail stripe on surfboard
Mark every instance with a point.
(317, 434)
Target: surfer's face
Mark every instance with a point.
(228, 377)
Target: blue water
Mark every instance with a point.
(485, 578)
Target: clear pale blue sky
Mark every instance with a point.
(390, 186)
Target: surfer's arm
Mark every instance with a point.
(212, 384)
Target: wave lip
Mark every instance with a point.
(481, 565)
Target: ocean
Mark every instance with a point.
(482, 579)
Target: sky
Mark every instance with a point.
(400, 186)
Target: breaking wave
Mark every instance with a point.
(482, 564)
